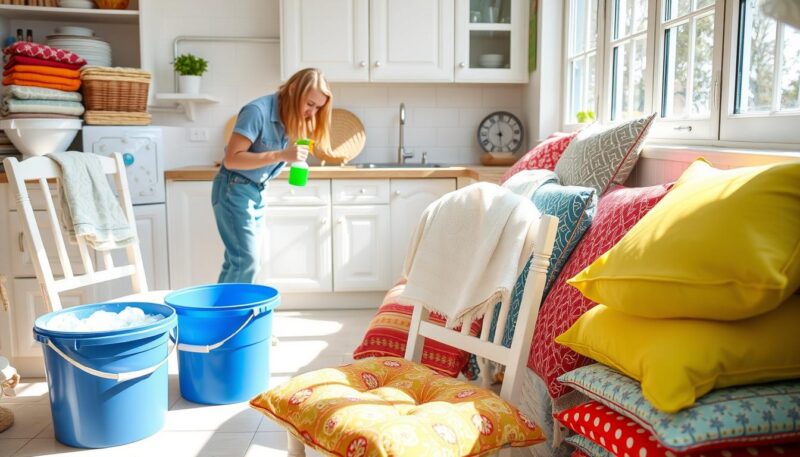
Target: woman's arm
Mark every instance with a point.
(237, 156)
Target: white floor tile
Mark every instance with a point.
(29, 419)
(8, 446)
(186, 416)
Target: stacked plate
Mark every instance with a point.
(84, 4)
(81, 41)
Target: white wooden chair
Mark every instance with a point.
(514, 359)
(41, 170)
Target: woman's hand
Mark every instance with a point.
(295, 153)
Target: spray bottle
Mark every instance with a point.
(298, 172)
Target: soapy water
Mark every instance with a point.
(102, 321)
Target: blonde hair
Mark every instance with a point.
(290, 97)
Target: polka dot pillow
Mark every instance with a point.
(617, 435)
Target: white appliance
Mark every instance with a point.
(142, 150)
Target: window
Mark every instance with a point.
(667, 56)
(582, 61)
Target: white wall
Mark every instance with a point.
(440, 118)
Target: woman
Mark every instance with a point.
(262, 142)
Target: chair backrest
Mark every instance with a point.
(40, 170)
(542, 235)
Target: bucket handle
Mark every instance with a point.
(205, 349)
(119, 377)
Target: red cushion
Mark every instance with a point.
(387, 335)
(544, 156)
(617, 211)
(621, 436)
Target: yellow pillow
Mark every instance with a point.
(722, 244)
(679, 360)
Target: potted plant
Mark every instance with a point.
(190, 68)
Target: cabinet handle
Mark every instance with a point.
(377, 63)
(363, 191)
(687, 128)
(462, 65)
(362, 64)
(20, 241)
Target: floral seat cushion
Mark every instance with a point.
(389, 406)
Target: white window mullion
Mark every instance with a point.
(778, 70)
(690, 69)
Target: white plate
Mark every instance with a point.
(83, 4)
(74, 31)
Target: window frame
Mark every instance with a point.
(571, 125)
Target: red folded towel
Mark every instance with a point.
(25, 60)
(42, 51)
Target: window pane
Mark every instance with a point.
(628, 90)
(578, 67)
(703, 61)
(760, 66)
(677, 8)
(631, 17)
(592, 24)
(578, 26)
(591, 92)
(639, 66)
(790, 72)
(703, 3)
(677, 79)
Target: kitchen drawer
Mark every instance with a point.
(360, 191)
(316, 192)
(35, 195)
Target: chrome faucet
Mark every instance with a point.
(402, 155)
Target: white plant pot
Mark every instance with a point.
(189, 84)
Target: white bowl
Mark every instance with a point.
(490, 60)
(38, 137)
(74, 30)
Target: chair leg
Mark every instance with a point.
(296, 447)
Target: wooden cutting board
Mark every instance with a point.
(503, 161)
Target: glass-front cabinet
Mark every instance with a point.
(492, 40)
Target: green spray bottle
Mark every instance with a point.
(298, 172)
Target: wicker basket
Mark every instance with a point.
(112, 4)
(116, 94)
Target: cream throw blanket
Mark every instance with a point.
(468, 250)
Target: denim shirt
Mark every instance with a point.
(259, 121)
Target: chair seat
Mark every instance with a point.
(389, 406)
(152, 296)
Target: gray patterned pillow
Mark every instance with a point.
(598, 158)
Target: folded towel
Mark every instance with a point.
(89, 207)
(42, 51)
(41, 93)
(25, 60)
(14, 105)
(116, 118)
(43, 70)
(50, 82)
(91, 70)
(526, 182)
(468, 250)
(36, 116)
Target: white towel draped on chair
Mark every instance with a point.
(467, 251)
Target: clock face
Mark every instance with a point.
(500, 131)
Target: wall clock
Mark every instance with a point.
(500, 131)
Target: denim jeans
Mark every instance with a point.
(239, 210)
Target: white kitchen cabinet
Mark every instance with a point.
(195, 248)
(491, 41)
(375, 40)
(361, 235)
(296, 249)
(28, 304)
(409, 198)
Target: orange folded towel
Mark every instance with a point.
(50, 82)
(43, 70)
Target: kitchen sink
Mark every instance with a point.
(400, 165)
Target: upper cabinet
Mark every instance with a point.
(406, 40)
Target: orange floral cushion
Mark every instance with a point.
(389, 406)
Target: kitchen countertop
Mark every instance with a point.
(476, 172)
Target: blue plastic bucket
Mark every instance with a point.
(107, 388)
(225, 338)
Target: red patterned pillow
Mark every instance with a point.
(621, 436)
(42, 51)
(617, 211)
(544, 155)
(387, 335)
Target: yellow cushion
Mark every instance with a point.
(390, 406)
(723, 244)
(679, 360)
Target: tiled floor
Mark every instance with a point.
(308, 340)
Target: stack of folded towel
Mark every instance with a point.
(42, 82)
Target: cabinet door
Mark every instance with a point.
(491, 41)
(296, 255)
(360, 258)
(410, 197)
(195, 248)
(411, 40)
(328, 34)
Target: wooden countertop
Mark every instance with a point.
(476, 172)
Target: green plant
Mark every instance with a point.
(585, 116)
(190, 65)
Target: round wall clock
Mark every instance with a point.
(500, 131)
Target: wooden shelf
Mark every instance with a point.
(187, 101)
(49, 13)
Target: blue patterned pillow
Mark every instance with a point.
(731, 417)
(587, 446)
